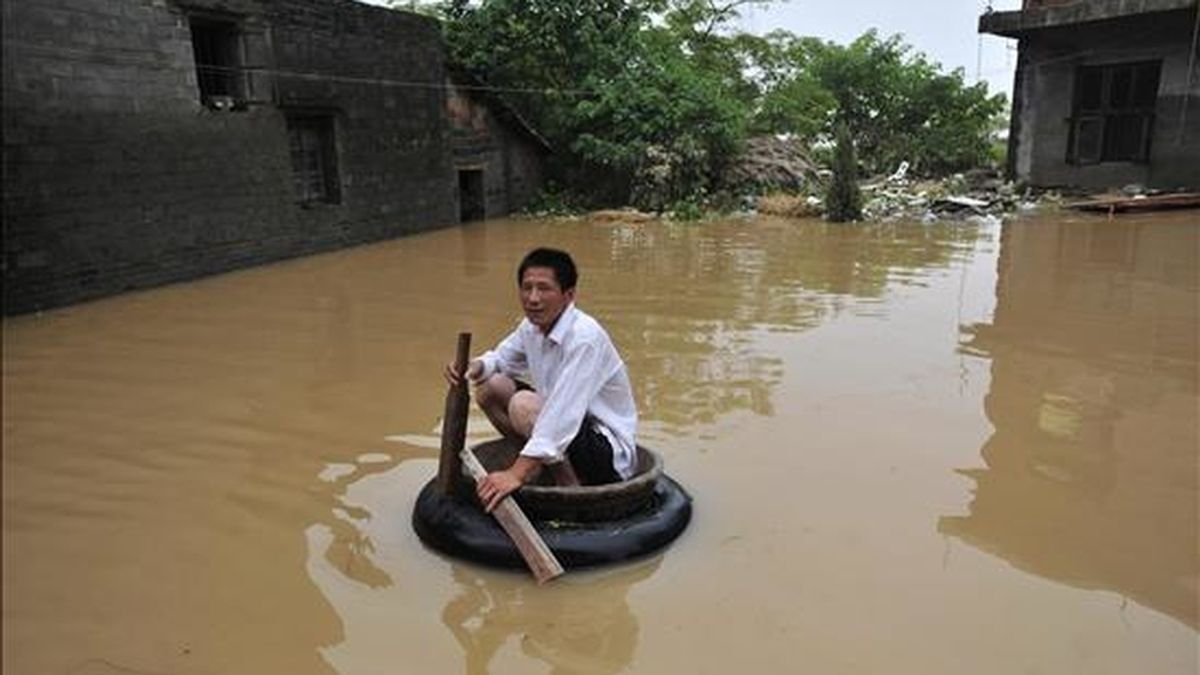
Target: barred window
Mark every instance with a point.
(1112, 118)
(314, 165)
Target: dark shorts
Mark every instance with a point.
(591, 456)
(590, 452)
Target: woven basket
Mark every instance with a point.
(583, 504)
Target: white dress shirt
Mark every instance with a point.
(577, 371)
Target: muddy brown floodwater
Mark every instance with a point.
(914, 449)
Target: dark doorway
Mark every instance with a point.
(470, 195)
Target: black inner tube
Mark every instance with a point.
(461, 529)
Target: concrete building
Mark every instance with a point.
(1105, 92)
(151, 141)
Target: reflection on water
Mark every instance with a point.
(687, 303)
(1091, 474)
(587, 629)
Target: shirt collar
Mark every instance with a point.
(564, 323)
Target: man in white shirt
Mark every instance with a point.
(579, 421)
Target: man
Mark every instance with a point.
(579, 419)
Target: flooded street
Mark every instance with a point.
(920, 449)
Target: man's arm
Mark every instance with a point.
(557, 424)
(506, 357)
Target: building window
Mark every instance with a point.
(1113, 115)
(216, 46)
(314, 165)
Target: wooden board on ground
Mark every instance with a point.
(1179, 200)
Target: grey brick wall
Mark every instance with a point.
(116, 176)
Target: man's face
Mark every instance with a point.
(542, 298)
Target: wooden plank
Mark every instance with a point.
(454, 420)
(1181, 200)
(530, 545)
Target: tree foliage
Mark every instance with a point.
(609, 87)
(843, 201)
(647, 100)
(897, 104)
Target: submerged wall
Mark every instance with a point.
(118, 174)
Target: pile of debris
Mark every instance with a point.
(772, 164)
(980, 194)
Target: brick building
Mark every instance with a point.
(1105, 92)
(150, 141)
(498, 156)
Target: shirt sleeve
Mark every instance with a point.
(507, 357)
(566, 406)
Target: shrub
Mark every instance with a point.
(843, 202)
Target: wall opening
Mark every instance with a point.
(470, 195)
(1112, 117)
(314, 158)
(217, 50)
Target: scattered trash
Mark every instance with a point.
(900, 173)
(980, 196)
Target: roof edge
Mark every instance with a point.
(1020, 22)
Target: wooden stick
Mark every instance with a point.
(454, 421)
(530, 545)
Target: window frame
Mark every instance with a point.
(313, 155)
(1101, 123)
(218, 53)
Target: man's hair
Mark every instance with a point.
(559, 261)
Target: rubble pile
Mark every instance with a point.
(980, 193)
(976, 194)
(769, 164)
(789, 206)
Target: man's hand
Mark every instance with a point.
(474, 373)
(495, 486)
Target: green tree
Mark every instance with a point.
(897, 104)
(843, 202)
(647, 100)
(620, 98)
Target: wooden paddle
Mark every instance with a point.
(529, 543)
(454, 421)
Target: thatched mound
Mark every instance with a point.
(771, 164)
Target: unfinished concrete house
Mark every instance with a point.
(1105, 93)
(151, 141)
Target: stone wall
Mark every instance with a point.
(1045, 91)
(118, 176)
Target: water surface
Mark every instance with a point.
(914, 449)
